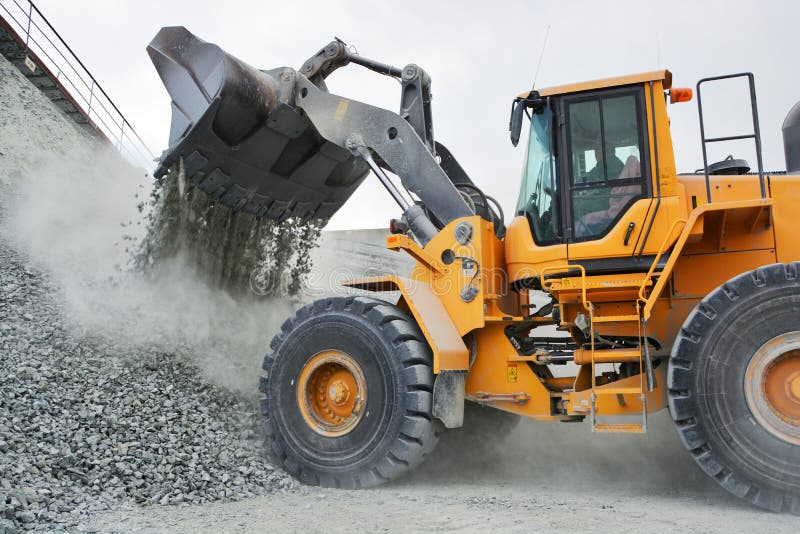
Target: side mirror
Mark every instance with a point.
(518, 109)
(515, 121)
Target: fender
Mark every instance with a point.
(450, 354)
(449, 350)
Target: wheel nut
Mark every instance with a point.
(338, 393)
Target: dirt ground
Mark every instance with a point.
(547, 477)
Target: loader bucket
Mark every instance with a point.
(240, 137)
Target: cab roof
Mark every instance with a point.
(664, 76)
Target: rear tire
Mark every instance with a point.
(711, 387)
(390, 432)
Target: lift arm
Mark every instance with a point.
(278, 144)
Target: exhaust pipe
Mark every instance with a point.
(791, 139)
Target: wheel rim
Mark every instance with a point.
(772, 386)
(332, 393)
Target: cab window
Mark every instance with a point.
(605, 138)
(539, 191)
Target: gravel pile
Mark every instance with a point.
(107, 381)
(32, 128)
(86, 426)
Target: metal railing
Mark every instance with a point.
(48, 50)
(756, 135)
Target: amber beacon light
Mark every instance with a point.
(680, 94)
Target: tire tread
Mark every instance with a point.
(419, 431)
(683, 406)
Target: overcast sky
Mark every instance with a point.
(479, 54)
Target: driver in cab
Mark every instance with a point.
(612, 200)
(613, 166)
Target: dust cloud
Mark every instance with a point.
(82, 219)
(568, 456)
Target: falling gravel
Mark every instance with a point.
(230, 250)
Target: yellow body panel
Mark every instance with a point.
(450, 352)
(520, 248)
(690, 245)
(664, 76)
(493, 372)
(786, 194)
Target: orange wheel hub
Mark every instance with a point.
(782, 386)
(332, 393)
(773, 386)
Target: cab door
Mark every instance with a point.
(535, 238)
(606, 177)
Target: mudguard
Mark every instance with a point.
(450, 353)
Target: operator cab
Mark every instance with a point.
(587, 179)
(601, 169)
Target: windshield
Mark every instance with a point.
(538, 196)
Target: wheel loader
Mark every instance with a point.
(619, 287)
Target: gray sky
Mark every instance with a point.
(479, 54)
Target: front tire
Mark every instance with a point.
(739, 424)
(348, 390)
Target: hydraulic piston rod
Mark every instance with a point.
(418, 221)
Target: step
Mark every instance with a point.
(615, 319)
(619, 428)
(611, 282)
(632, 390)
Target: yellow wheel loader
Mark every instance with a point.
(619, 288)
